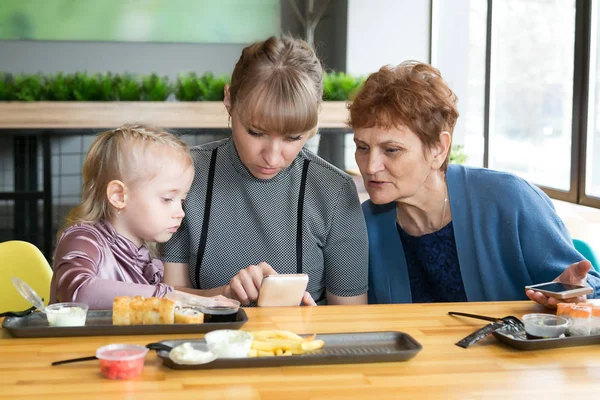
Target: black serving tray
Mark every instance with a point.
(339, 348)
(99, 323)
(518, 340)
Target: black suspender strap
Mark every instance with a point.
(207, 203)
(300, 210)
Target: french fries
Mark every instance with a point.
(281, 343)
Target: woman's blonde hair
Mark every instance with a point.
(277, 86)
(119, 154)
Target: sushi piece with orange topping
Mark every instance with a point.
(580, 320)
(595, 330)
(564, 309)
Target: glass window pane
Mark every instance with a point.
(592, 178)
(458, 51)
(532, 89)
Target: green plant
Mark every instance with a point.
(30, 87)
(457, 154)
(82, 86)
(155, 88)
(212, 88)
(207, 87)
(60, 87)
(5, 87)
(97, 87)
(128, 87)
(187, 88)
(340, 86)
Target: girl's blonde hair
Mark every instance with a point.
(277, 86)
(119, 154)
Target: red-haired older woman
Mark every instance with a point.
(440, 232)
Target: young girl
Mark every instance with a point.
(135, 179)
(261, 203)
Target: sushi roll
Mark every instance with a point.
(188, 316)
(120, 314)
(564, 309)
(595, 330)
(151, 314)
(136, 310)
(166, 311)
(580, 320)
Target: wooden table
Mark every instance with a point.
(441, 370)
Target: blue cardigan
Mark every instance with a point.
(507, 233)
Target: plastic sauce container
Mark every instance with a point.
(229, 343)
(543, 326)
(121, 361)
(66, 314)
(220, 313)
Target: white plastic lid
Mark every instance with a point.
(28, 294)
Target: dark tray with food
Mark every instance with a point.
(517, 338)
(336, 348)
(100, 323)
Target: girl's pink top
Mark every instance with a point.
(93, 264)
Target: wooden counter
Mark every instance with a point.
(90, 115)
(441, 370)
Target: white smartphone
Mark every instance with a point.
(560, 290)
(282, 290)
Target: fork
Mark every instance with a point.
(510, 322)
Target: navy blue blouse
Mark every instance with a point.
(433, 267)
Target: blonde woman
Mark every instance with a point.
(135, 179)
(262, 204)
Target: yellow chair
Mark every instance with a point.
(25, 261)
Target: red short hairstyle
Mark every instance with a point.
(413, 95)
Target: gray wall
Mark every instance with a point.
(163, 58)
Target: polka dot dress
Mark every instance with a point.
(253, 220)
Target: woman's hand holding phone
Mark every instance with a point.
(575, 274)
(307, 300)
(245, 285)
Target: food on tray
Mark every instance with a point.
(186, 353)
(151, 311)
(229, 343)
(188, 316)
(281, 343)
(66, 314)
(584, 318)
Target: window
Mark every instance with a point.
(458, 51)
(592, 177)
(531, 90)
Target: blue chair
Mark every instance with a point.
(587, 251)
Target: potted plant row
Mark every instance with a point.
(93, 100)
